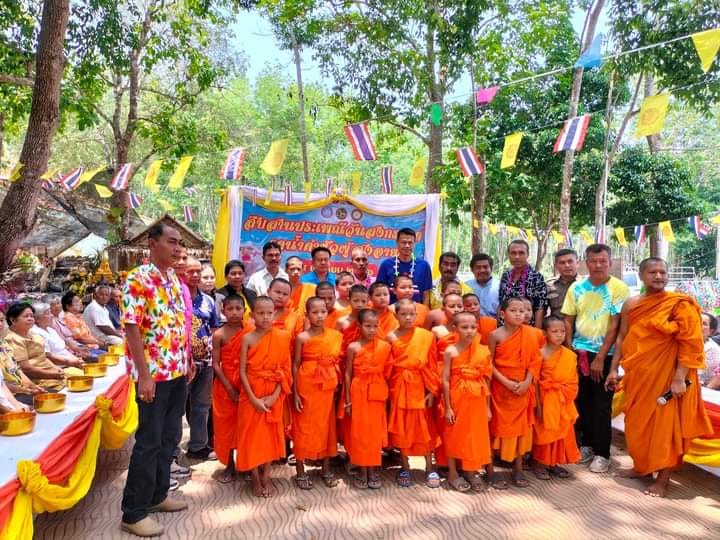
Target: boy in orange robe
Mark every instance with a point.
(284, 318)
(326, 291)
(554, 440)
(539, 334)
(380, 300)
(343, 283)
(466, 373)
(265, 377)
(226, 342)
(366, 394)
(516, 364)
(404, 290)
(315, 377)
(438, 317)
(414, 382)
(300, 292)
(471, 304)
(660, 347)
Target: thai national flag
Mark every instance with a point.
(135, 200)
(697, 226)
(568, 238)
(48, 185)
(329, 186)
(572, 135)
(288, 194)
(639, 234)
(469, 162)
(361, 141)
(121, 180)
(232, 170)
(72, 179)
(188, 213)
(386, 179)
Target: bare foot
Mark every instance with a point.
(269, 490)
(226, 476)
(659, 487)
(257, 487)
(630, 473)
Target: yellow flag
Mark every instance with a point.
(530, 235)
(620, 235)
(492, 228)
(50, 173)
(275, 157)
(666, 231)
(104, 192)
(587, 236)
(90, 174)
(510, 150)
(652, 115)
(512, 230)
(15, 173)
(176, 180)
(707, 44)
(151, 175)
(558, 237)
(417, 175)
(308, 188)
(715, 220)
(356, 179)
(165, 205)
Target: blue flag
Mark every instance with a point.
(591, 57)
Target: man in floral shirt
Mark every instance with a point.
(154, 319)
(523, 280)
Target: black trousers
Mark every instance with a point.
(148, 477)
(594, 405)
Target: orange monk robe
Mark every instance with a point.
(224, 410)
(554, 434)
(539, 335)
(439, 409)
(314, 428)
(421, 314)
(485, 326)
(290, 321)
(468, 439)
(412, 373)
(349, 335)
(386, 323)
(513, 416)
(260, 435)
(368, 434)
(335, 315)
(299, 296)
(664, 331)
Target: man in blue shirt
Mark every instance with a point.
(321, 267)
(405, 263)
(484, 285)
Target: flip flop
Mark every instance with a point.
(476, 481)
(460, 484)
(542, 474)
(360, 483)
(374, 482)
(404, 479)
(432, 480)
(303, 481)
(520, 481)
(496, 482)
(329, 480)
(560, 472)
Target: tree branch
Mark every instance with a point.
(16, 80)
(414, 131)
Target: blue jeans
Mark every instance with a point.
(199, 399)
(148, 477)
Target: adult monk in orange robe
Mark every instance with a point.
(414, 382)
(366, 393)
(516, 364)
(315, 376)
(404, 290)
(660, 348)
(554, 440)
(265, 377)
(466, 373)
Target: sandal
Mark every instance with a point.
(329, 480)
(303, 481)
(560, 472)
(520, 481)
(360, 483)
(542, 473)
(432, 480)
(404, 479)
(496, 482)
(291, 460)
(476, 481)
(374, 482)
(460, 484)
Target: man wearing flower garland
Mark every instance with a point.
(523, 280)
(405, 263)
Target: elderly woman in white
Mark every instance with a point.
(55, 347)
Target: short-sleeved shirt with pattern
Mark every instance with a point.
(155, 305)
(529, 284)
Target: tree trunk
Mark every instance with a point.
(566, 190)
(18, 211)
(436, 96)
(652, 140)
(2, 136)
(659, 247)
(301, 109)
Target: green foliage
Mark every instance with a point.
(689, 251)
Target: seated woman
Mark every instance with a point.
(15, 380)
(55, 348)
(29, 350)
(73, 319)
(62, 330)
(8, 403)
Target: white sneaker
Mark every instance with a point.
(600, 464)
(178, 471)
(174, 484)
(586, 454)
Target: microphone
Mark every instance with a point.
(667, 396)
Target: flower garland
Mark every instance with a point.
(412, 266)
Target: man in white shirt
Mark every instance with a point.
(97, 317)
(260, 280)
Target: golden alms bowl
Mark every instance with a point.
(95, 370)
(116, 349)
(49, 403)
(109, 359)
(79, 383)
(17, 423)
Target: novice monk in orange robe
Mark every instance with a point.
(226, 342)
(539, 334)
(438, 317)
(300, 292)
(315, 376)
(413, 384)
(326, 291)
(366, 393)
(265, 378)
(485, 325)
(554, 440)
(284, 318)
(466, 373)
(404, 290)
(516, 364)
(660, 347)
(380, 300)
